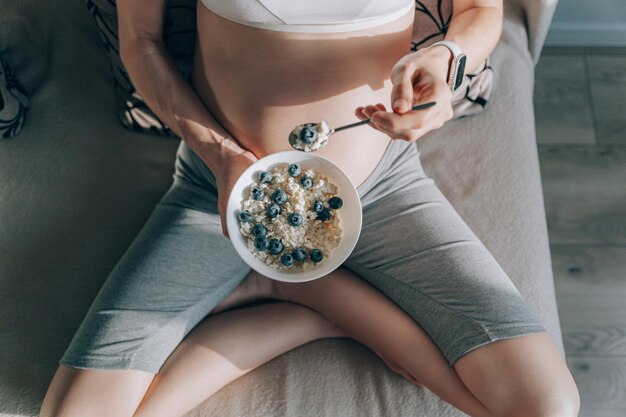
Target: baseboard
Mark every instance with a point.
(586, 34)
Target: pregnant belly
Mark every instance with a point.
(259, 84)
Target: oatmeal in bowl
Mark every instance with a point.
(294, 217)
(289, 218)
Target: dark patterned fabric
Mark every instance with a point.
(179, 29)
(13, 102)
(432, 18)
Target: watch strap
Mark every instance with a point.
(453, 47)
(456, 67)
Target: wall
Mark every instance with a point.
(588, 23)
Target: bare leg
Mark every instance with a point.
(219, 351)
(253, 287)
(522, 376)
(371, 318)
(93, 392)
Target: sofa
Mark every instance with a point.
(76, 187)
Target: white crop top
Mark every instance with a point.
(310, 15)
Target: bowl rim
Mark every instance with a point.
(232, 223)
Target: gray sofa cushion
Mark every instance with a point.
(75, 190)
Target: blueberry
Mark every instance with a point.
(299, 254)
(286, 259)
(279, 196)
(316, 255)
(323, 215)
(293, 170)
(261, 243)
(265, 176)
(259, 230)
(335, 202)
(306, 182)
(318, 206)
(244, 216)
(276, 246)
(257, 193)
(273, 211)
(308, 134)
(295, 219)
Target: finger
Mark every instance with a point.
(225, 230)
(223, 223)
(359, 113)
(369, 110)
(416, 119)
(412, 135)
(402, 76)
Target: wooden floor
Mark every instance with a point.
(580, 106)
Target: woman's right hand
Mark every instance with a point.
(231, 167)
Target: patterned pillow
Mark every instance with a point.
(13, 102)
(431, 23)
(179, 28)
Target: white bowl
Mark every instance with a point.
(350, 215)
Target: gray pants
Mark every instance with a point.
(414, 247)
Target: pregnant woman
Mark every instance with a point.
(170, 326)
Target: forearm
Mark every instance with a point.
(477, 31)
(173, 100)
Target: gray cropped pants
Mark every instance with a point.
(414, 247)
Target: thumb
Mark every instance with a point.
(221, 212)
(402, 92)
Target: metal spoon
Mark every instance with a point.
(310, 137)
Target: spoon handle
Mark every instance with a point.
(362, 122)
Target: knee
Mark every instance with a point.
(559, 403)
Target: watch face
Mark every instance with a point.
(460, 70)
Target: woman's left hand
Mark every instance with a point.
(418, 77)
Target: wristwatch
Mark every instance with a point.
(456, 68)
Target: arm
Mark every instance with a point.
(475, 26)
(172, 98)
(421, 76)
